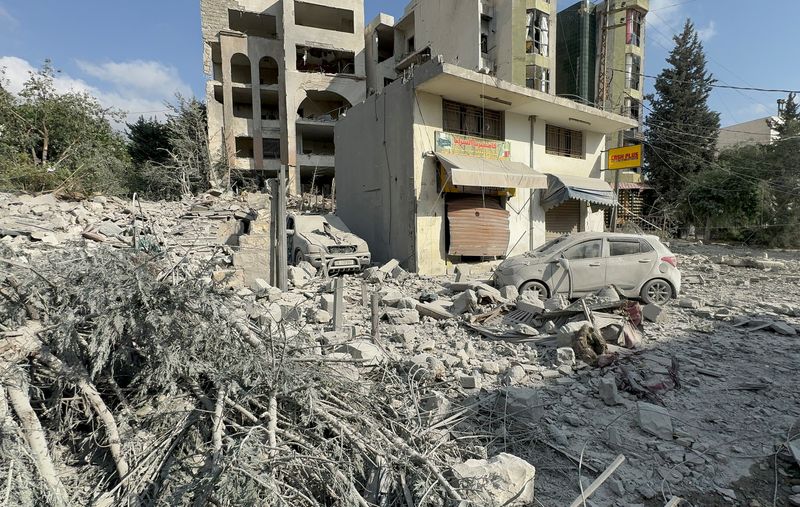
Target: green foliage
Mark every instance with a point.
(681, 133)
(148, 141)
(58, 140)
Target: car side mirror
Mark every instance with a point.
(290, 232)
(564, 263)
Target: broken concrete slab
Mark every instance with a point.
(783, 328)
(655, 420)
(503, 480)
(509, 292)
(565, 356)
(466, 302)
(607, 389)
(402, 316)
(529, 302)
(365, 350)
(389, 266)
(654, 313)
(434, 310)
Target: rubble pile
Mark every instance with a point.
(135, 375)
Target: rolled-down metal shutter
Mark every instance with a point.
(563, 219)
(478, 226)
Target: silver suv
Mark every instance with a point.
(581, 263)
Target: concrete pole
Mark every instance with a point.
(376, 314)
(281, 254)
(338, 304)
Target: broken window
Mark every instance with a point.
(272, 148)
(564, 142)
(268, 71)
(253, 24)
(485, 30)
(324, 17)
(473, 121)
(538, 33)
(244, 147)
(634, 27)
(327, 61)
(411, 47)
(633, 71)
(632, 108)
(538, 78)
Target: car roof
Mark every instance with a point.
(609, 235)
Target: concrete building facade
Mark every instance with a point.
(456, 165)
(512, 40)
(748, 133)
(280, 74)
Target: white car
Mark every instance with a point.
(579, 264)
(325, 242)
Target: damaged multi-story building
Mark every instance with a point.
(280, 74)
(464, 152)
(600, 50)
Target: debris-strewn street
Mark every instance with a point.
(162, 372)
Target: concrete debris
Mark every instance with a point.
(654, 313)
(607, 388)
(509, 292)
(467, 301)
(389, 267)
(501, 481)
(529, 302)
(402, 316)
(565, 356)
(655, 420)
(298, 276)
(366, 351)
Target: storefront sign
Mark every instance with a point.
(472, 146)
(628, 157)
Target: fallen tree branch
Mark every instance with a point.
(34, 435)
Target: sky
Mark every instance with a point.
(137, 55)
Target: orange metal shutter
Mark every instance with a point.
(478, 226)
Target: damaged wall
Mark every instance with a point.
(375, 196)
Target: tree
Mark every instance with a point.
(681, 131)
(782, 162)
(148, 141)
(60, 140)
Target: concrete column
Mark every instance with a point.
(255, 79)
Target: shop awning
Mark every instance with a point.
(592, 190)
(480, 172)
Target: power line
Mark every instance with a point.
(727, 87)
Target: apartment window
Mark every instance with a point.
(410, 45)
(324, 17)
(473, 121)
(632, 108)
(538, 33)
(485, 29)
(633, 71)
(564, 142)
(272, 149)
(538, 78)
(634, 27)
(253, 24)
(244, 147)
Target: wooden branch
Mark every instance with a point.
(273, 422)
(81, 379)
(599, 481)
(34, 435)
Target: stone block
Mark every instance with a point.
(654, 313)
(565, 356)
(607, 389)
(509, 292)
(504, 480)
(655, 420)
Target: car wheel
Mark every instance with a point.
(298, 257)
(535, 287)
(657, 292)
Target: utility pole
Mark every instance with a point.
(615, 211)
(278, 240)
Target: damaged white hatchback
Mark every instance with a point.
(325, 242)
(579, 264)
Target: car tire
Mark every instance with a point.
(657, 292)
(298, 257)
(535, 287)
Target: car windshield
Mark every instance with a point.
(550, 247)
(314, 223)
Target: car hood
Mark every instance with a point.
(519, 261)
(323, 240)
